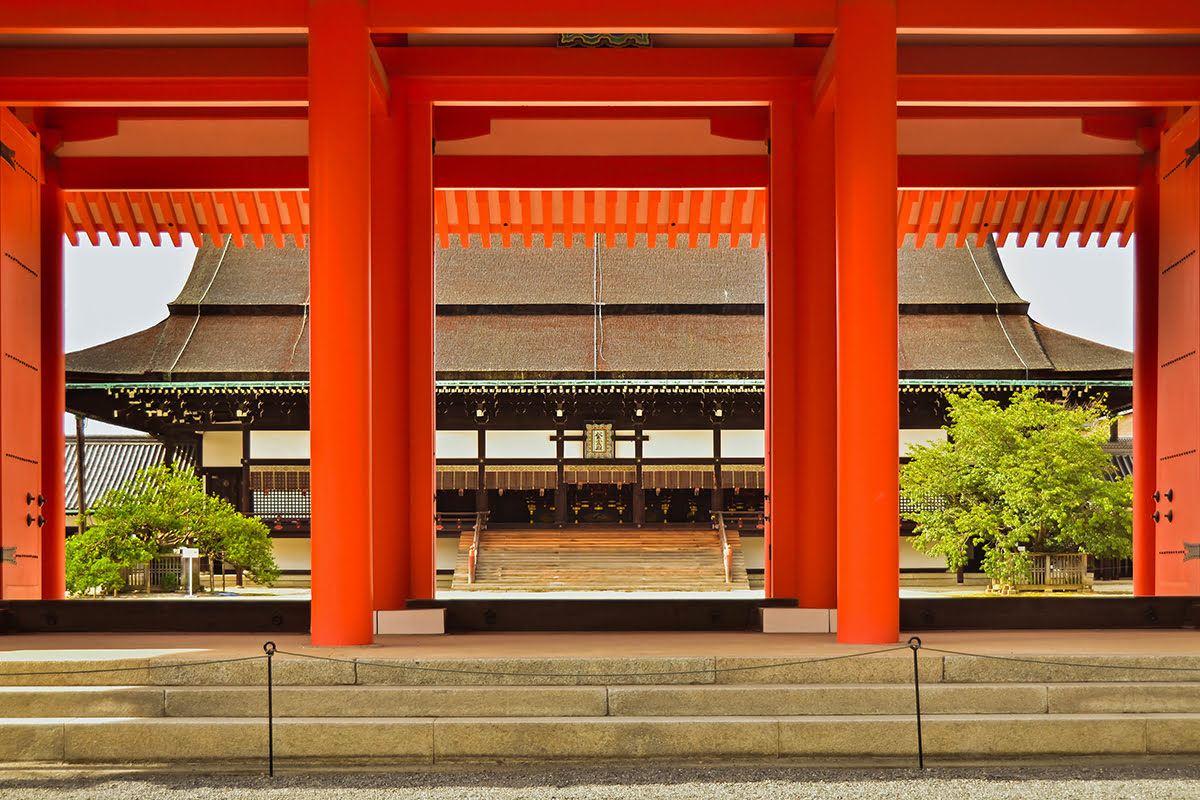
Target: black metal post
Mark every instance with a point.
(915, 643)
(269, 649)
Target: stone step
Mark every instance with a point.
(893, 668)
(598, 701)
(309, 741)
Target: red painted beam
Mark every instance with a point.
(707, 172)
(555, 16)
(154, 16)
(1018, 172)
(1040, 17)
(226, 76)
(1048, 75)
(600, 172)
(721, 64)
(184, 173)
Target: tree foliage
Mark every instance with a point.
(158, 509)
(95, 560)
(1029, 476)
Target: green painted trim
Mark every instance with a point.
(193, 385)
(1051, 384)
(697, 383)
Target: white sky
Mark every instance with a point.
(115, 291)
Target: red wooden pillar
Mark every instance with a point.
(389, 350)
(54, 391)
(339, 132)
(801, 363)
(1145, 376)
(784, 519)
(816, 368)
(421, 409)
(867, 412)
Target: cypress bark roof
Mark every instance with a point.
(580, 311)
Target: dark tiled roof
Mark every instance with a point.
(1123, 465)
(252, 323)
(110, 461)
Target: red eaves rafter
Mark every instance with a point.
(470, 215)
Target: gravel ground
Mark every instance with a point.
(1180, 781)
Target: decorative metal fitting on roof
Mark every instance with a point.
(603, 40)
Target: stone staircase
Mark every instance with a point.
(384, 712)
(593, 557)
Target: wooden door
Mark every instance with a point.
(1177, 571)
(20, 362)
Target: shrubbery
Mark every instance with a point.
(159, 509)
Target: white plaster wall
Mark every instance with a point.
(279, 444)
(293, 553)
(573, 449)
(519, 444)
(911, 436)
(752, 548)
(446, 553)
(743, 444)
(911, 559)
(678, 444)
(222, 448)
(457, 444)
(624, 449)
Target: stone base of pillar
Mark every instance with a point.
(412, 621)
(799, 620)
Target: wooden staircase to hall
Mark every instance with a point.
(592, 557)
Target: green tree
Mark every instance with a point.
(95, 560)
(1029, 476)
(238, 540)
(158, 509)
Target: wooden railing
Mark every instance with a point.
(741, 520)
(1056, 571)
(459, 522)
(163, 571)
(726, 548)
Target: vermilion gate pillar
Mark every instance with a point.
(782, 418)
(339, 180)
(421, 408)
(868, 378)
(54, 393)
(1145, 376)
(389, 353)
(801, 364)
(817, 369)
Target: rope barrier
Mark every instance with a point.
(666, 673)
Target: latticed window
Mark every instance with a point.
(280, 491)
